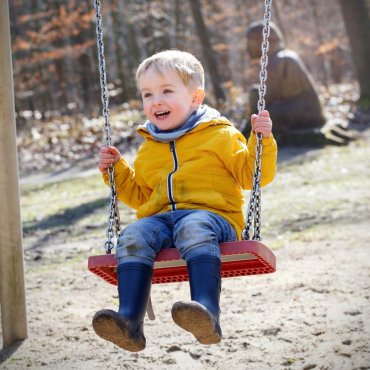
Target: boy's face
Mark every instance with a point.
(167, 101)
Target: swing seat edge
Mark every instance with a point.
(241, 258)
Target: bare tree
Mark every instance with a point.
(357, 22)
(208, 52)
(54, 45)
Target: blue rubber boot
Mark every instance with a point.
(125, 327)
(201, 316)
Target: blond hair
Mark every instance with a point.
(188, 67)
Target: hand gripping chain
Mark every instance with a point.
(254, 207)
(114, 228)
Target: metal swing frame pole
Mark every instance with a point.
(12, 288)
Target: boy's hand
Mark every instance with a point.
(262, 124)
(108, 156)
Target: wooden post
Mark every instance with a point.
(12, 290)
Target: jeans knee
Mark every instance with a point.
(200, 232)
(135, 241)
(196, 239)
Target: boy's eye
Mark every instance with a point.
(167, 91)
(147, 95)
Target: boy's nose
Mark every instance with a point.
(157, 101)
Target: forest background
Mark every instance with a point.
(57, 91)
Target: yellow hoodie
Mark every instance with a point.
(206, 168)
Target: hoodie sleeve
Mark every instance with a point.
(240, 156)
(128, 190)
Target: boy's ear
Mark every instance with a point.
(198, 97)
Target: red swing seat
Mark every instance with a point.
(240, 258)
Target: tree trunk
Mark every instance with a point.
(357, 22)
(85, 64)
(316, 19)
(136, 51)
(119, 34)
(179, 25)
(208, 52)
(279, 21)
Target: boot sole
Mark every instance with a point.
(110, 326)
(196, 319)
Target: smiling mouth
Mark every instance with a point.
(162, 114)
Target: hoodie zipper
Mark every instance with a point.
(170, 176)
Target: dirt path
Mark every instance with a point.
(313, 313)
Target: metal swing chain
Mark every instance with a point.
(114, 228)
(254, 207)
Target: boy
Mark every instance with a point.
(186, 186)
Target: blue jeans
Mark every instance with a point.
(192, 232)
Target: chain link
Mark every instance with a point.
(114, 228)
(253, 219)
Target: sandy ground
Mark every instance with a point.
(313, 313)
